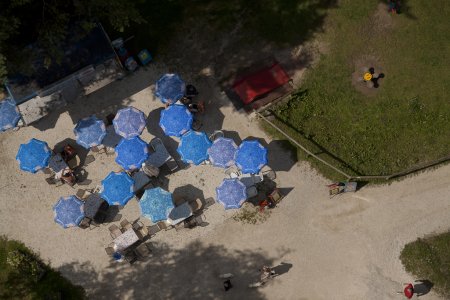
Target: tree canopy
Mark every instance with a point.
(46, 22)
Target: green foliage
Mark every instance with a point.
(429, 258)
(24, 276)
(26, 21)
(407, 120)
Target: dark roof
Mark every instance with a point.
(80, 51)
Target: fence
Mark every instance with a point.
(354, 177)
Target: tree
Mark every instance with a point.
(46, 22)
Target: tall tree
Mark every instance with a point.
(46, 22)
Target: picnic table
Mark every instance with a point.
(179, 213)
(159, 157)
(93, 205)
(250, 179)
(140, 180)
(111, 139)
(58, 165)
(125, 240)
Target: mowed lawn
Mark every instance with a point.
(407, 120)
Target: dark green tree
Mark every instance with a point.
(46, 22)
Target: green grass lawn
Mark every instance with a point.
(20, 283)
(429, 259)
(407, 121)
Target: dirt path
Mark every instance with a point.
(341, 248)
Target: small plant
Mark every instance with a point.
(250, 214)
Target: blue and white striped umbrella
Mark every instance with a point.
(69, 211)
(33, 156)
(129, 122)
(175, 120)
(9, 114)
(117, 188)
(193, 147)
(131, 153)
(251, 156)
(170, 88)
(222, 151)
(90, 132)
(156, 204)
(232, 193)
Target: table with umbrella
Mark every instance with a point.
(193, 147)
(251, 156)
(69, 211)
(9, 114)
(117, 188)
(222, 151)
(170, 88)
(156, 204)
(90, 132)
(131, 153)
(33, 156)
(129, 122)
(232, 193)
(176, 120)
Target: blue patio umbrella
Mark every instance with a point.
(131, 153)
(9, 114)
(251, 157)
(129, 122)
(176, 120)
(69, 211)
(221, 153)
(90, 132)
(117, 188)
(156, 204)
(170, 88)
(193, 147)
(232, 193)
(33, 156)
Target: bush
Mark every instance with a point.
(24, 276)
(429, 259)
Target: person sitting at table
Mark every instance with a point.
(68, 177)
(68, 153)
(197, 107)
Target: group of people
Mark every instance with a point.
(188, 100)
(67, 175)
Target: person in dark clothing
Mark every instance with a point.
(227, 285)
(191, 91)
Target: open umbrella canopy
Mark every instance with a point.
(33, 156)
(251, 156)
(175, 120)
(131, 153)
(117, 188)
(69, 211)
(222, 151)
(90, 132)
(9, 114)
(231, 193)
(156, 204)
(129, 122)
(170, 88)
(193, 147)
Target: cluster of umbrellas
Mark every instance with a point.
(117, 188)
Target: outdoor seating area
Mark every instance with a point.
(141, 163)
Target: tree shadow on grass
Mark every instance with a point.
(188, 273)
